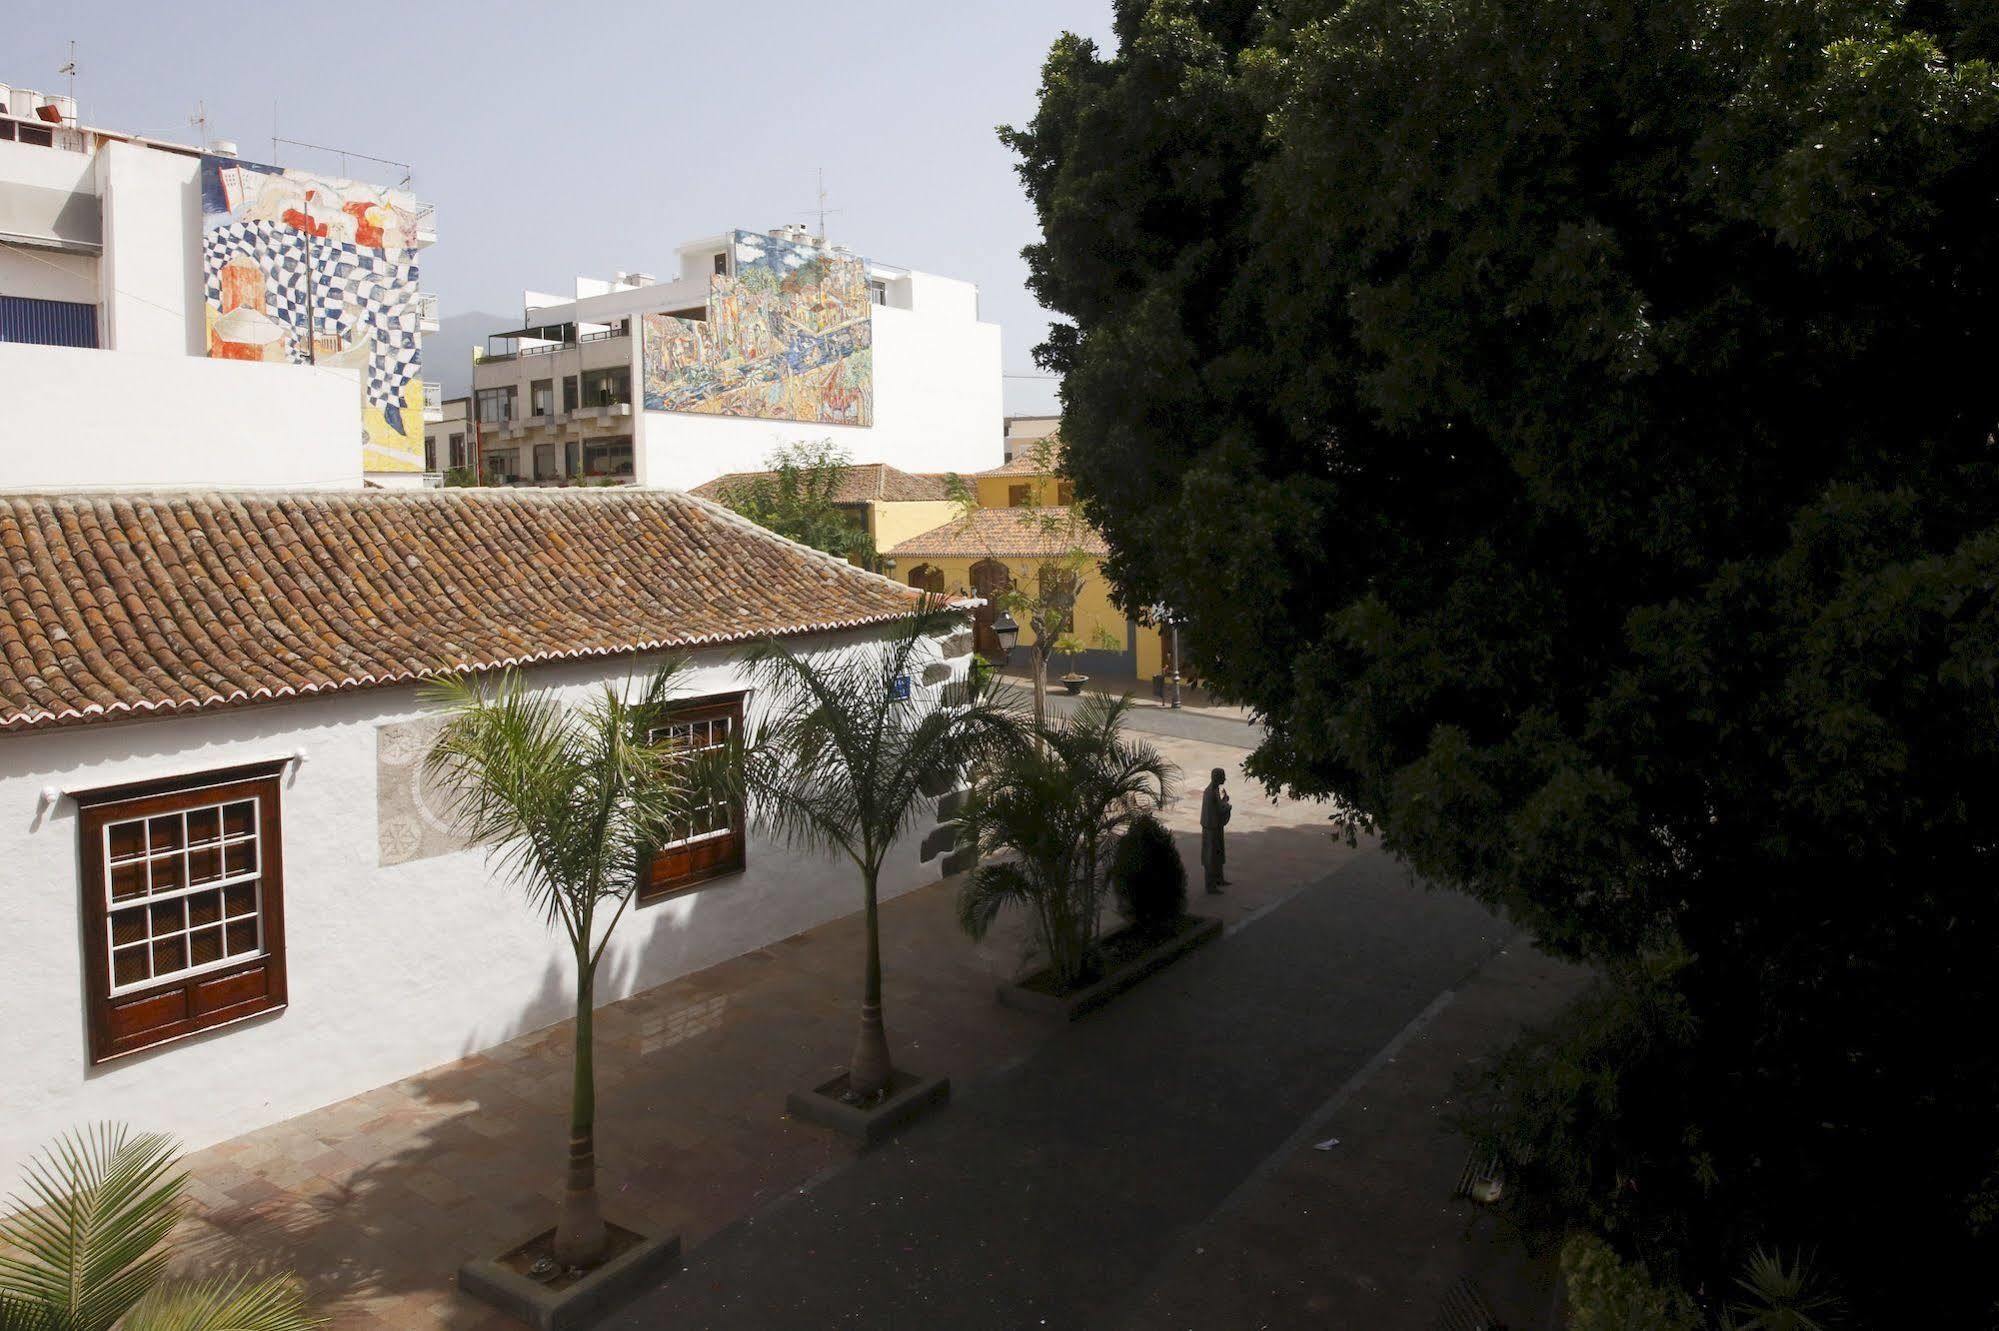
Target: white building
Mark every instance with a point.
(234, 895)
(763, 339)
(138, 277)
(1026, 433)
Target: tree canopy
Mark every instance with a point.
(798, 497)
(1571, 426)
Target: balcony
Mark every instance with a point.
(433, 401)
(426, 224)
(426, 312)
(39, 133)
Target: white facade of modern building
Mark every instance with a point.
(1026, 432)
(392, 968)
(560, 401)
(103, 330)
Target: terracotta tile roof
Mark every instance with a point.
(146, 603)
(1018, 532)
(862, 482)
(1029, 460)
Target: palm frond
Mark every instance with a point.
(569, 800)
(274, 1304)
(86, 1239)
(23, 1314)
(988, 890)
(836, 763)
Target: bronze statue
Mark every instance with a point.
(1215, 811)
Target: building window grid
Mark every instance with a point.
(191, 880)
(715, 817)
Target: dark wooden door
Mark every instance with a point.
(990, 579)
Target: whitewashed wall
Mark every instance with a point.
(78, 419)
(152, 272)
(390, 970)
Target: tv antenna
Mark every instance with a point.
(822, 210)
(69, 68)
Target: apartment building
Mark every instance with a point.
(1026, 433)
(761, 339)
(450, 440)
(185, 317)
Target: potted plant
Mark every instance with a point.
(840, 764)
(1072, 682)
(1049, 820)
(568, 801)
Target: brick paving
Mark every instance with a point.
(375, 1200)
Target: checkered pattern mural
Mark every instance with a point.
(358, 295)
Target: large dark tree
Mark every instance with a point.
(1571, 424)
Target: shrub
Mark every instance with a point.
(1606, 1293)
(1147, 874)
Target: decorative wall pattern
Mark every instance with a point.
(789, 337)
(312, 269)
(416, 811)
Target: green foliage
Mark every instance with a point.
(570, 803)
(1045, 815)
(838, 765)
(87, 1248)
(456, 477)
(1607, 1293)
(798, 498)
(1147, 874)
(1782, 1296)
(1570, 426)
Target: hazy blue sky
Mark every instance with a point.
(560, 138)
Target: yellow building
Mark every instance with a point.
(1024, 529)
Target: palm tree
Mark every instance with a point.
(570, 802)
(87, 1248)
(839, 764)
(1055, 811)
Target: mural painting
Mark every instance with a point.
(310, 269)
(789, 337)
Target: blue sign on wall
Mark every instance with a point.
(898, 689)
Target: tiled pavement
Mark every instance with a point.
(376, 1199)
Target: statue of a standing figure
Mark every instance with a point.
(1215, 813)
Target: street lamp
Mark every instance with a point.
(1006, 632)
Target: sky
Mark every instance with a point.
(592, 138)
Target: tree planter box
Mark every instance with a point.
(635, 1265)
(1035, 993)
(909, 1097)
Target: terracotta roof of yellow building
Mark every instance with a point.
(148, 604)
(1041, 457)
(861, 483)
(1027, 533)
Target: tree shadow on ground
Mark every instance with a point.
(374, 1201)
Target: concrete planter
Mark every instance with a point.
(909, 1098)
(497, 1283)
(1027, 996)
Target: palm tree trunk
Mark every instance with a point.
(869, 1071)
(580, 1239)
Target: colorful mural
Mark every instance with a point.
(315, 270)
(789, 337)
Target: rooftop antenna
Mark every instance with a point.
(822, 210)
(200, 121)
(69, 68)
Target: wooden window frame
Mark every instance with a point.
(171, 1010)
(722, 857)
